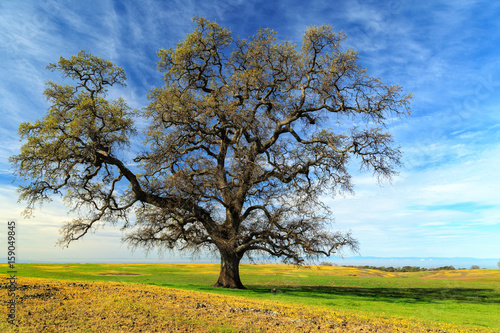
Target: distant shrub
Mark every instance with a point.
(474, 267)
(444, 268)
(410, 269)
(325, 263)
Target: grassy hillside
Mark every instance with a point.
(469, 299)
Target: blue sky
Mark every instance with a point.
(445, 201)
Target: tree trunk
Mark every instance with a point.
(229, 276)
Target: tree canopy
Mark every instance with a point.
(245, 140)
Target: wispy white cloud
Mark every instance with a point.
(448, 201)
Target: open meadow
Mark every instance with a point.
(165, 297)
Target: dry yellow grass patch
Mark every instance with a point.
(63, 306)
(321, 270)
(472, 274)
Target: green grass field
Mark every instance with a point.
(469, 298)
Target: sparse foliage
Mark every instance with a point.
(245, 139)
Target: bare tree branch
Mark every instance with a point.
(245, 139)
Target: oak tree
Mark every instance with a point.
(246, 139)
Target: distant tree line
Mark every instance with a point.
(408, 268)
(399, 269)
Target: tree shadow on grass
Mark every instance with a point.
(393, 295)
(406, 295)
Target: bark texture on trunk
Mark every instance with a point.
(229, 276)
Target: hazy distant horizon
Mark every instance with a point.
(428, 262)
